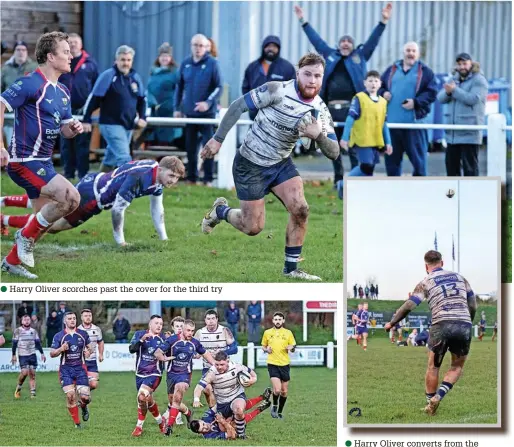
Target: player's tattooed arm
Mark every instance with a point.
(472, 306)
(234, 112)
(409, 305)
(329, 148)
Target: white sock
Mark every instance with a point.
(29, 203)
(42, 220)
(5, 220)
(158, 419)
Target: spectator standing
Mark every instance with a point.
(269, 67)
(61, 311)
(372, 291)
(344, 75)
(120, 95)
(212, 48)
(465, 95)
(355, 290)
(361, 292)
(198, 91)
(410, 88)
(20, 64)
(376, 291)
(121, 329)
(25, 309)
(254, 313)
(80, 81)
(53, 325)
(232, 318)
(36, 323)
(366, 291)
(161, 93)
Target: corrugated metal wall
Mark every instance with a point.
(144, 26)
(442, 28)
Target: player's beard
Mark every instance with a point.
(307, 94)
(278, 325)
(25, 327)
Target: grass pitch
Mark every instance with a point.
(387, 383)
(89, 253)
(46, 421)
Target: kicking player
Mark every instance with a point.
(215, 338)
(215, 426)
(278, 342)
(481, 327)
(177, 326)
(115, 191)
(263, 163)
(43, 112)
(453, 307)
(183, 348)
(148, 345)
(495, 331)
(73, 346)
(95, 336)
(228, 391)
(366, 129)
(26, 340)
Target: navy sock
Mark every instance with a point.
(292, 256)
(222, 212)
(444, 388)
(429, 395)
(275, 400)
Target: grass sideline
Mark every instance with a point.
(392, 390)
(114, 413)
(89, 253)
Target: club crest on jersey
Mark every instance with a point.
(356, 58)
(134, 87)
(65, 101)
(263, 88)
(73, 348)
(233, 373)
(41, 172)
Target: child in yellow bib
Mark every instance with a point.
(365, 127)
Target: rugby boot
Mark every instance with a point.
(189, 418)
(137, 431)
(85, 413)
(25, 246)
(168, 431)
(274, 412)
(266, 395)
(300, 274)
(162, 426)
(18, 270)
(264, 406)
(17, 393)
(211, 219)
(432, 405)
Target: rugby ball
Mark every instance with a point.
(306, 119)
(243, 378)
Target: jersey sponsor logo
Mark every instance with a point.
(287, 106)
(41, 172)
(52, 132)
(282, 127)
(263, 88)
(276, 76)
(73, 348)
(17, 85)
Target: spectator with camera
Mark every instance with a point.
(465, 95)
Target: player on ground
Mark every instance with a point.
(263, 163)
(215, 426)
(214, 338)
(95, 336)
(73, 346)
(115, 191)
(355, 320)
(481, 327)
(495, 331)
(183, 348)
(177, 326)
(26, 340)
(278, 342)
(42, 110)
(148, 345)
(227, 388)
(453, 307)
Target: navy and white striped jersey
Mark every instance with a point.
(95, 336)
(274, 132)
(25, 340)
(131, 180)
(40, 109)
(447, 294)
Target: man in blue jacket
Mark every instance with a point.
(254, 313)
(232, 318)
(198, 90)
(80, 81)
(120, 94)
(410, 88)
(269, 67)
(344, 75)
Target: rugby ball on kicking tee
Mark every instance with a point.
(306, 119)
(243, 378)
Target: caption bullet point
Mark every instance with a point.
(3, 289)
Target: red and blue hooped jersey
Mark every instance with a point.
(40, 109)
